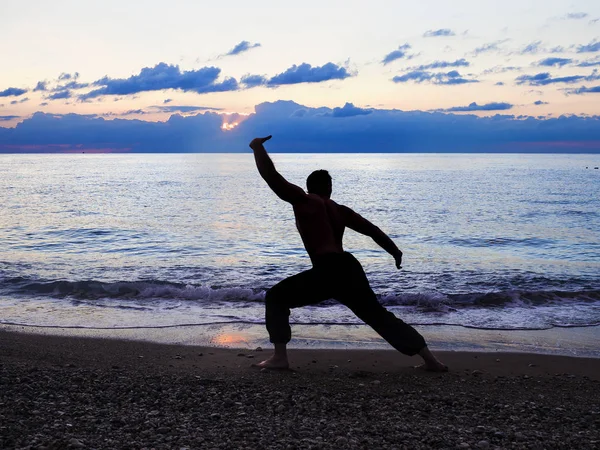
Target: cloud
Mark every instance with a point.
(315, 130)
(59, 95)
(440, 32)
(183, 108)
(23, 100)
(494, 106)
(550, 62)
(539, 102)
(67, 76)
(7, 118)
(41, 86)
(585, 90)
(129, 113)
(164, 76)
(71, 85)
(349, 110)
(242, 47)
(305, 73)
(577, 15)
(12, 92)
(400, 53)
(590, 63)
(543, 79)
(592, 47)
(254, 80)
(534, 47)
(420, 76)
(501, 69)
(443, 64)
(490, 47)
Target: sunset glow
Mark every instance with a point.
(228, 339)
(229, 126)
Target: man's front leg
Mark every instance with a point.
(278, 360)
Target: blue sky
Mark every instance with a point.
(364, 65)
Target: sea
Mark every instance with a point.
(505, 243)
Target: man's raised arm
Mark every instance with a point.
(283, 188)
(356, 222)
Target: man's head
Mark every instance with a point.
(319, 182)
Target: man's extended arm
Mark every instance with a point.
(361, 225)
(283, 188)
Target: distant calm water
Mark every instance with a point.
(490, 241)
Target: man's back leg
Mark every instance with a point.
(305, 288)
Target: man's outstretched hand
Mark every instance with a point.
(398, 259)
(256, 142)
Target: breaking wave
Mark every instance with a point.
(165, 290)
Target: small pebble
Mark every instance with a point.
(76, 443)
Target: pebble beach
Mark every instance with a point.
(66, 392)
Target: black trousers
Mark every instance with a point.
(341, 277)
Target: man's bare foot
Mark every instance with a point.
(259, 141)
(273, 363)
(431, 364)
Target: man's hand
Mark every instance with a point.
(398, 259)
(257, 142)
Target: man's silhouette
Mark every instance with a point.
(335, 273)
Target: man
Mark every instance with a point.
(335, 273)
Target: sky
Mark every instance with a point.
(327, 75)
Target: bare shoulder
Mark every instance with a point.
(343, 209)
(355, 221)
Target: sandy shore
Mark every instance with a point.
(64, 392)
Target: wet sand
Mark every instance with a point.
(67, 392)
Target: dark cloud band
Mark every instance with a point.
(300, 128)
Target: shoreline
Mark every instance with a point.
(27, 348)
(576, 341)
